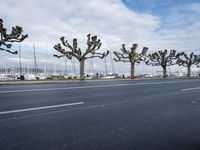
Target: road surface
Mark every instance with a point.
(101, 115)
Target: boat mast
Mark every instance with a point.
(65, 72)
(35, 60)
(106, 66)
(92, 67)
(112, 66)
(20, 61)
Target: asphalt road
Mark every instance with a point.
(101, 115)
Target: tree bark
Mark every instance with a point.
(82, 65)
(132, 70)
(188, 71)
(164, 72)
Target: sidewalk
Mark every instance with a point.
(9, 82)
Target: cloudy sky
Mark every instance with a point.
(157, 24)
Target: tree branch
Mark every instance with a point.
(99, 55)
(7, 38)
(188, 60)
(130, 55)
(93, 45)
(15, 52)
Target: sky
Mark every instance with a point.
(156, 24)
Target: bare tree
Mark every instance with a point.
(93, 44)
(188, 60)
(7, 38)
(163, 59)
(130, 56)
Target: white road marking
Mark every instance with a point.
(189, 89)
(39, 108)
(95, 86)
(71, 109)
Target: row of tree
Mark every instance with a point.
(161, 58)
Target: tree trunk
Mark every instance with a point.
(132, 70)
(164, 72)
(188, 71)
(82, 64)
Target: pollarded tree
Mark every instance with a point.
(7, 38)
(188, 60)
(130, 56)
(163, 59)
(93, 44)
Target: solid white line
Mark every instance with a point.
(189, 89)
(93, 86)
(39, 108)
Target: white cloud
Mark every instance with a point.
(46, 21)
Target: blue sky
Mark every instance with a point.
(155, 4)
(157, 24)
(156, 7)
(165, 10)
